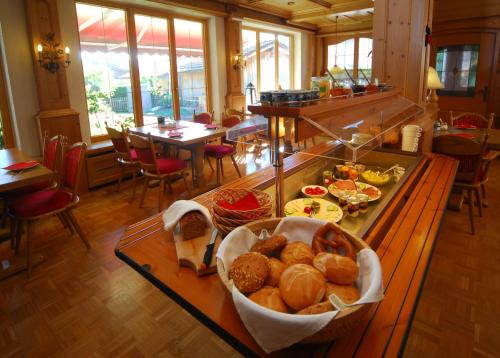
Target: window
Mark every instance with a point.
(153, 57)
(190, 67)
(269, 61)
(107, 66)
(457, 69)
(353, 54)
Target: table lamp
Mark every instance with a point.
(433, 83)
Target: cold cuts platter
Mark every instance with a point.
(355, 188)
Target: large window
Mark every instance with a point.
(457, 69)
(160, 87)
(354, 54)
(269, 60)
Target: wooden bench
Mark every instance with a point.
(403, 239)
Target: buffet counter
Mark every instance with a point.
(402, 233)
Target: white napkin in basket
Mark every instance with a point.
(176, 211)
(274, 330)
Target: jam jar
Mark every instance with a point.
(363, 203)
(353, 206)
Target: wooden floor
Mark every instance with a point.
(83, 303)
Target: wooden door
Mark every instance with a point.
(461, 49)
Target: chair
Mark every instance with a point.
(156, 167)
(126, 156)
(203, 117)
(486, 161)
(469, 154)
(474, 119)
(59, 201)
(219, 151)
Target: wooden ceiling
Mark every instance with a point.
(319, 14)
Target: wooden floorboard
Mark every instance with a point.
(83, 303)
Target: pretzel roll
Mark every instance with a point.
(302, 286)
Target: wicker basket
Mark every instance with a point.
(343, 322)
(233, 195)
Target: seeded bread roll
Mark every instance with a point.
(249, 271)
(193, 224)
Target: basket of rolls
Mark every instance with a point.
(298, 280)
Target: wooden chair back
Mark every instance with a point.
(146, 152)
(468, 152)
(228, 122)
(203, 117)
(475, 119)
(234, 112)
(73, 166)
(53, 152)
(120, 141)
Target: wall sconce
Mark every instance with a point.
(239, 61)
(50, 54)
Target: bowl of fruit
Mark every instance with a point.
(377, 176)
(314, 191)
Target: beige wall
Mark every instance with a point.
(18, 62)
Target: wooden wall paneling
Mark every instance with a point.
(52, 88)
(379, 39)
(8, 134)
(234, 96)
(319, 68)
(60, 121)
(311, 58)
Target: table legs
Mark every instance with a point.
(198, 162)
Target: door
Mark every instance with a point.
(464, 62)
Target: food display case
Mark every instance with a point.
(363, 130)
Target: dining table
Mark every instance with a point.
(12, 180)
(186, 135)
(493, 141)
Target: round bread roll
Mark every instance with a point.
(277, 268)
(341, 270)
(302, 286)
(348, 294)
(297, 252)
(271, 246)
(317, 308)
(269, 297)
(249, 271)
(320, 260)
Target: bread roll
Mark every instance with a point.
(341, 270)
(348, 294)
(302, 286)
(317, 308)
(269, 297)
(271, 246)
(249, 271)
(319, 261)
(297, 252)
(277, 268)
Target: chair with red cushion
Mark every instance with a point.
(156, 167)
(126, 156)
(203, 117)
(472, 119)
(469, 154)
(219, 151)
(59, 201)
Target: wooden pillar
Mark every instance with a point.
(235, 98)
(319, 68)
(56, 115)
(399, 53)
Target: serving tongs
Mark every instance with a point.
(350, 77)
(333, 78)
(364, 76)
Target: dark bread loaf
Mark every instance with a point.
(193, 224)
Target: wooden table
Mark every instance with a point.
(10, 181)
(194, 138)
(403, 238)
(493, 135)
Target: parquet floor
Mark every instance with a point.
(82, 303)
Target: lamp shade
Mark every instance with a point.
(433, 81)
(336, 70)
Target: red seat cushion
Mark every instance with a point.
(133, 155)
(170, 165)
(40, 202)
(218, 151)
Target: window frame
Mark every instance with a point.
(130, 12)
(342, 38)
(5, 115)
(276, 54)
